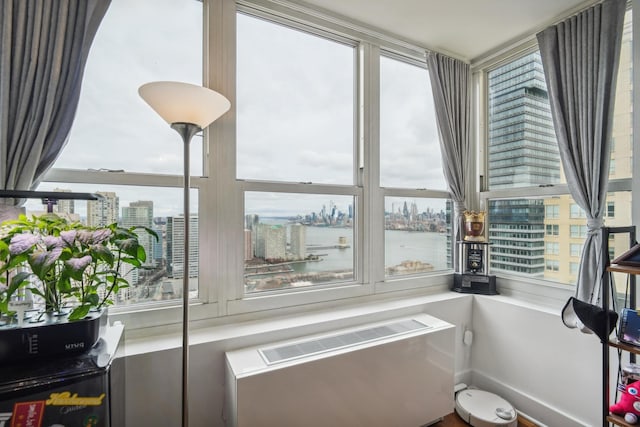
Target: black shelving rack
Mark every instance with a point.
(606, 288)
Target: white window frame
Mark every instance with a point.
(221, 195)
(368, 196)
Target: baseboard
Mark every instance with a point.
(463, 377)
(526, 404)
(524, 421)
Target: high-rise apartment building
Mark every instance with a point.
(251, 222)
(64, 206)
(140, 214)
(157, 245)
(103, 212)
(298, 245)
(248, 245)
(175, 246)
(271, 242)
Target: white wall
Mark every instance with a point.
(522, 352)
(153, 378)
(525, 354)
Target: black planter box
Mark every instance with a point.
(52, 336)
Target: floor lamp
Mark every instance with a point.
(188, 109)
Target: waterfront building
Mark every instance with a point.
(271, 241)
(298, 241)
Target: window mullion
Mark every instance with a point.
(371, 241)
(222, 265)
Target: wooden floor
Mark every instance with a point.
(453, 420)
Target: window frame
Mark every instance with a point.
(221, 195)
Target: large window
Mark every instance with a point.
(113, 128)
(296, 126)
(409, 144)
(325, 179)
(537, 230)
(416, 228)
(300, 185)
(121, 149)
(295, 105)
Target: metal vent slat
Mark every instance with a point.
(334, 342)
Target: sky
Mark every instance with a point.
(295, 107)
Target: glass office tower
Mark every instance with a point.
(523, 152)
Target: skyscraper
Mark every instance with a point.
(103, 212)
(175, 246)
(522, 152)
(298, 241)
(140, 214)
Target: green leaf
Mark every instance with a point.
(128, 246)
(93, 299)
(4, 249)
(41, 261)
(64, 284)
(103, 253)
(37, 292)
(18, 281)
(79, 312)
(4, 306)
(132, 261)
(148, 230)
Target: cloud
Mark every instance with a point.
(296, 105)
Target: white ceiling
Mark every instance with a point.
(467, 29)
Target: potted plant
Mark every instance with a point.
(70, 270)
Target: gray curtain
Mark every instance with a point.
(451, 87)
(44, 46)
(580, 58)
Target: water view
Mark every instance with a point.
(329, 255)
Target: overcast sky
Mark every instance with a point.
(295, 101)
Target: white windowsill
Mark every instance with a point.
(337, 314)
(352, 314)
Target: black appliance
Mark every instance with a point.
(85, 390)
(472, 275)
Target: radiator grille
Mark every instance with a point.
(300, 349)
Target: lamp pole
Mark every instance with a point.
(186, 131)
(188, 109)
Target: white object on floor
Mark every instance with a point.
(483, 409)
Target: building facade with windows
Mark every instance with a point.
(105, 211)
(522, 152)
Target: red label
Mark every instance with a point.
(28, 414)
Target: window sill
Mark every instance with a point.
(307, 321)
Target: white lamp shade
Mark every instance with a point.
(178, 102)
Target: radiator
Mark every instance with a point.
(396, 373)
